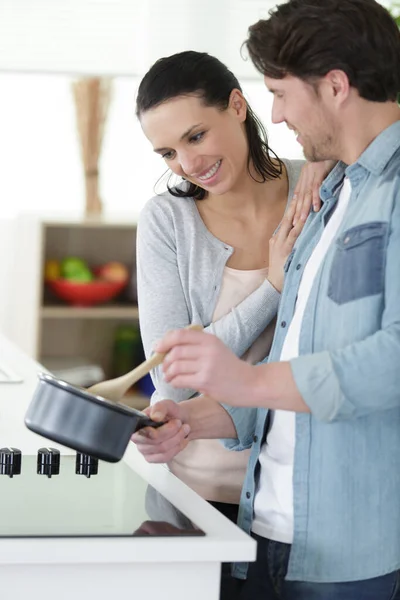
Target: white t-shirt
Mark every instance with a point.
(273, 503)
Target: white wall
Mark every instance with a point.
(121, 36)
(39, 151)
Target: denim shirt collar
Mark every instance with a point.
(374, 159)
(381, 149)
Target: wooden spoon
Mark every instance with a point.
(114, 389)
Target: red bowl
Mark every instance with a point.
(86, 293)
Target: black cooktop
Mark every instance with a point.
(48, 495)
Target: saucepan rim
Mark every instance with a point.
(98, 400)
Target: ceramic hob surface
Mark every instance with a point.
(51, 495)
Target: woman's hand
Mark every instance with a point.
(306, 192)
(161, 444)
(281, 244)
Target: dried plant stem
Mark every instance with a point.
(92, 100)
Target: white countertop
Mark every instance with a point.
(223, 541)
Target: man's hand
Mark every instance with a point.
(160, 445)
(200, 361)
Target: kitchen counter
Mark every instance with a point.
(95, 568)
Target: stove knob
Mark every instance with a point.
(86, 465)
(10, 461)
(48, 461)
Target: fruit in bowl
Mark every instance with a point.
(113, 271)
(76, 269)
(81, 286)
(52, 269)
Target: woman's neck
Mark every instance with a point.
(249, 195)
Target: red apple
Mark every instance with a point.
(113, 271)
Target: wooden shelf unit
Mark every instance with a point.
(44, 325)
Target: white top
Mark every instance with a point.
(273, 505)
(214, 472)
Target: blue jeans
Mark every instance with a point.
(266, 581)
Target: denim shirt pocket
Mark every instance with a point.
(358, 266)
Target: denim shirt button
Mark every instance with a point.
(298, 266)
(283, 324)
(255, 439)
(248, 495)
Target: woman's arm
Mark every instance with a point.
(163, 304)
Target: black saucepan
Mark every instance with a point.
(82, 421)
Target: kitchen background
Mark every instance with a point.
(45, 45)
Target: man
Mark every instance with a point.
(323, 416)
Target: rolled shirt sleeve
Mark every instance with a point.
(244, 420)
(357, 380)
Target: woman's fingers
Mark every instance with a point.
(287, 224)
(306, 206)
(316, 198)
(303, 192)
(298, 198)
(163, 443)
(311, 177)
(293, 235)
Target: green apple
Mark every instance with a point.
(75, 269)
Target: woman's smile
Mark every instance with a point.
(209, 175)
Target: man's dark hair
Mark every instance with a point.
(199, 74)
(309, 38)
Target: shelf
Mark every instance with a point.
(90, 312)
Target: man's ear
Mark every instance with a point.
(338, 84)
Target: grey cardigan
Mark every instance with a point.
(180, 266)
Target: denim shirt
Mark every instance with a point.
(346, 478)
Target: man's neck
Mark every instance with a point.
(363, 124)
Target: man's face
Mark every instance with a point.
(305, 110)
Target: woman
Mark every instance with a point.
(203, 248)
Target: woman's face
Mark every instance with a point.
(203, 144)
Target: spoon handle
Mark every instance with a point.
(152, 362)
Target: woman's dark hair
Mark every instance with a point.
(309, 38)
(204, 76)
